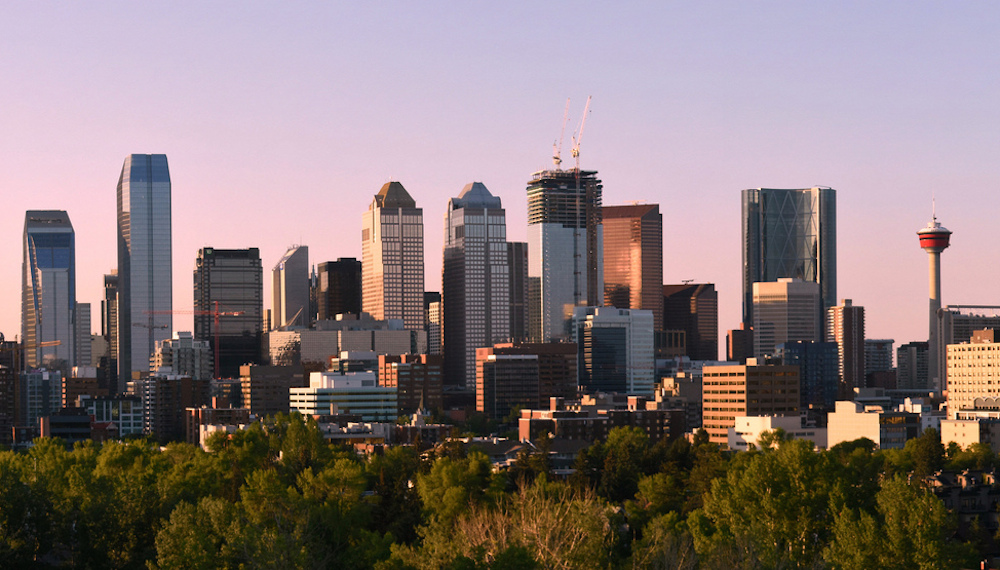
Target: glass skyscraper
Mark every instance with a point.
(790, 233)
(48, 289)
(145, 273)
(290, 290)
(229, 281)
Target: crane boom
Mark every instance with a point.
(578, 136)
(557, 150)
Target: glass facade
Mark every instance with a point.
(339, 288)
(145, 274)
(290, 280)
(229, 281)
(633, 259)
(790, 233)
(48, 290)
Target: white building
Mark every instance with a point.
(290, 289)
(785, 310)
(973, 372)
(748, 430)
(887, 428)
(615, 348)
(182, 355)
(351, 393)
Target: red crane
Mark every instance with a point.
(215, 314)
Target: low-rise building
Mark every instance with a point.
(889, 429)
(353, 393)
(748, 430)
(751, 389)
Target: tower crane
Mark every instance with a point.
(557, 150)
(578, 136)
(214, 313)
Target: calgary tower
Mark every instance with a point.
(934, 238)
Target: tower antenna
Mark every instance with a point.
(557, 150)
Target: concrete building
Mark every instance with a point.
(615, 348)
(819, 372)
(182, 355)
(878, 355)
(633, 259)
(124, 412)
(392, 257)
(790, 234)
(82, 380)
(739, 344)
(339, 288)
(417, 379)
(350, 333)
(48, 290)
(557, 366)
(505, 381)
(785, 310)
(475, 281)
(290, 290)
(889, 429)
(973, 371)
(694, 309)
(750, 389)
(845, 325)
(355, 393)
(109, 331)
(956, 324)
(39, 395)
(565, 249)
(195, 420)
(83, 354)
(265, 388)
(164, 398)
(749, 429)
(229, 307)
(591, 418)
(145, 262)
(912, 366)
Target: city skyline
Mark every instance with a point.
(886, 103)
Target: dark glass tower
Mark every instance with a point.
(145, 275)
(339, 288)
(694, 309)
(790, 233)
(229, 281)
(48, 290)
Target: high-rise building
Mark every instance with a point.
(109, 330)
(753, 389)
(972, 367)
(392, 257)
(845, 325)
(48, 290)
(912, 366)
(615, 348)
(739, 344)
(633, 259)
(145, 271)
(291, 289)
(694, 309)
(475, 281)
(783, 311)
(819, 372)
(557, 366)
(432, 321)
(229, 281)
(182, 355)
(505, 381)
(338, 288)
(956, 324)
(517, 261)
(81, 323)
(565, 249)
(790, 233)
(417, 379)
(879, 371)
(935, 238)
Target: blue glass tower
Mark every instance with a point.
(48, 288)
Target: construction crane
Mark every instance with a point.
(578, 135)
(557, 150)
(215, 314)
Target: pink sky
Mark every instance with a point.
(281, 120)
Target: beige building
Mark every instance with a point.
(392, 251)
(730, 391)
(973, 372)
(748, 430)
(783, 311)
(887, 428)
(966, 432)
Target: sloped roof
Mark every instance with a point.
(393, 195)
(476, 195)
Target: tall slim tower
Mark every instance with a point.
(934, 239)
(475, 281)
(790, 233)
(633, 258)
(565, 249)
(48, 288)
(290, 289)
(145, 260)
(845, 325)
(230, 281)
(392, 257)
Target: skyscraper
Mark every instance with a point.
(392, 257)
(615, 348)
(291, 289)
(790, 233)
(845, 325)
(229, 281)
(475, 281)
(783, 311)
(339, 288)
(48, 290)
(565, 249)
(694, 309)
(109, 330)
(145, 273)
(633, 259)
(517, 262)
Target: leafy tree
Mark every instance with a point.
(927, 453)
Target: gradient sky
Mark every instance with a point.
(281, 120)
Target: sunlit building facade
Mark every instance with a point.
(633, 258)
(290, 289)
(48, 290)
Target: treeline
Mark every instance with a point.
(279, 496)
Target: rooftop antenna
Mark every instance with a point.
(557, 150)
(578, 136)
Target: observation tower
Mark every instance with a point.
(934, 238)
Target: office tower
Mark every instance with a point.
(819, 372)
(972, 367)
(290, 279)
(956, 324)
(615, 348)
(338, 288)
(739, 344)
(417, 379)
(145, 273)
(912, 366)
(356, 393)
(164, 397)
(694, 309)
(565, 249)
(109, 330)
(845, 325)
(182, 355)
(557, 366)
(505, 382)
(517, 261)
(785, 310)
(229, 282)
(879, 371)
(39, 395)
(81, 326)
(633, 259)
(432, 321)
(392, 257)
(934, 238)
(48, 290)
(790, 233)
(475, 281)
(746, 390)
